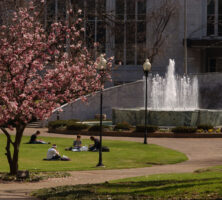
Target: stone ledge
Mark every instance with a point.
(175, 118)
(139, 134)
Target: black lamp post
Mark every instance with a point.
(146, 70)
(101, 67)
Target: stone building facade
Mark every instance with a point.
(129, 43)
(204, 31)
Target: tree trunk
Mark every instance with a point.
(16, 145)
(7, 148)
(13, 161)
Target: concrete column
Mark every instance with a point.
(204, 17)
(110, 37)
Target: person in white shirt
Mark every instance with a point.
(53, 154)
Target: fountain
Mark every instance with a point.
(173, 92)
(172, 101)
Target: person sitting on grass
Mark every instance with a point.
(33, 139)
(77, 144)
(96, 145)
(53, 154)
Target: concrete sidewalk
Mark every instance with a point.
(202, 152)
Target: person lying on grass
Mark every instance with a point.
(53, 154)
(33, 139)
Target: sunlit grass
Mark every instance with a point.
(122, 154)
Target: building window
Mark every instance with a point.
(130, 32)
(92, 13)
(214, 17)
(127, 29)
(95, 23)
(215, 64)
(54, 10)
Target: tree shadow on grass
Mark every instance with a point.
(65, 191)
(156, 187)
(126, 190)
(140, 184)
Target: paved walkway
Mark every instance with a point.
(202, 152)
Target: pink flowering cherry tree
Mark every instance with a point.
(40, 70)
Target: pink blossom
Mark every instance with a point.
(37, 74)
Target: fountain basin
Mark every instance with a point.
(135, 116)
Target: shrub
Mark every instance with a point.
(60, 123)
(72, 125)
(122, 126)
(184, 129)
(205, 126)
(57, 124)
(150, 128)
(96, 127)
(96, 120)
(73, 120)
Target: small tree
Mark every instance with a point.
(39, 70)
(158, 21)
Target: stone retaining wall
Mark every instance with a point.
(128, 95)
(131, 95)
(168, 118)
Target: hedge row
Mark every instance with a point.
(150, 129)
(96, 127)
(184, 129)
(69, 124)
(205, 127)
(122, 126)
(74, 124)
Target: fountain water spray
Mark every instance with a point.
(172, 101)
(173, 92)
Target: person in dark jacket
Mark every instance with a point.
(96, 145)
(33, 139)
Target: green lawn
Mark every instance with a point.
(201, 185)
(122, 155)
